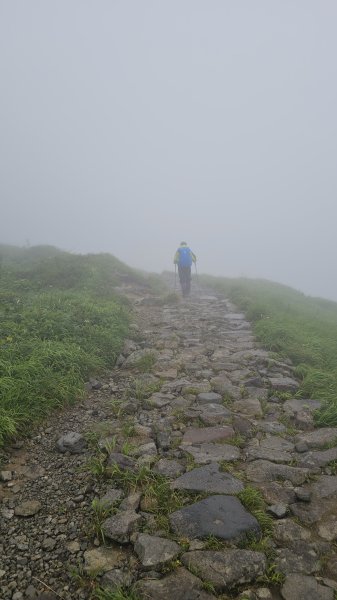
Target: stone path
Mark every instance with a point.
(153, 486)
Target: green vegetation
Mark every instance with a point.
(252, 500)
(295, 327)
(61, 321)
(118, 594)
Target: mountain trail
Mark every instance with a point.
(191, 471)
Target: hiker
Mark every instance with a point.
(184, 258)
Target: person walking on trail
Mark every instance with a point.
(184, 257)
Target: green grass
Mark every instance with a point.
(61, 321)
(293, 326)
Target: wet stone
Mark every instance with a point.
(225, 570)
(221, 516)
(208, 479)
(121, 460)
(251, 407)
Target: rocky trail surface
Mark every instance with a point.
(192, 473)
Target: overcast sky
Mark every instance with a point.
(128, 126)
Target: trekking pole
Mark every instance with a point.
(175, 277)
(197, 277)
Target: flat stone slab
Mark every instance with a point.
(250, 407)
(168, 468)
(222, 385)
(300, 559)
(200, 435)
(318, 438)
(300, 405)
(207, 453)
(287, 532)
(179, 585)
(154, 551)
(29, 508)
(209, 398)
(304, 587)
(273, 448)
(159, 400)
(284, 384)
(208, 479)
(263, 470)
(228, 569)
(221, 516)
(213, 414)
(318, 459)
(102, 559)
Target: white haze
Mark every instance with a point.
(130, 125)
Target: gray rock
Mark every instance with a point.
(213, 414)
(121, 460)
(119, 527)
(303, 494)
(278, 510)
(221, 516)
(207, 453)
(272, 448)
(288, 532)
(222, 385)
(159, 400)
(153, 551)
(208, 479)
(102, 560)
(284, 384)
(228, 569)
(318, 459)
(131, 502)
(168, 468)
(301, 558)
(250, 407)
(116, 579)
(209, 398)
(319, 438)
(180, 585)
(303, 587)
(6, 476)
(111, 496)
(72, 442)
(263, 470)
(200, 435)
(273, 427)
(28, 508)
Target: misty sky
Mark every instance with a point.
(128, 126)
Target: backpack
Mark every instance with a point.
(185, 257)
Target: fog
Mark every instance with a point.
(128, 126)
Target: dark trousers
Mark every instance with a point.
(185, 279)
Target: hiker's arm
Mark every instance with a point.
(194, 258)
(176, 258)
